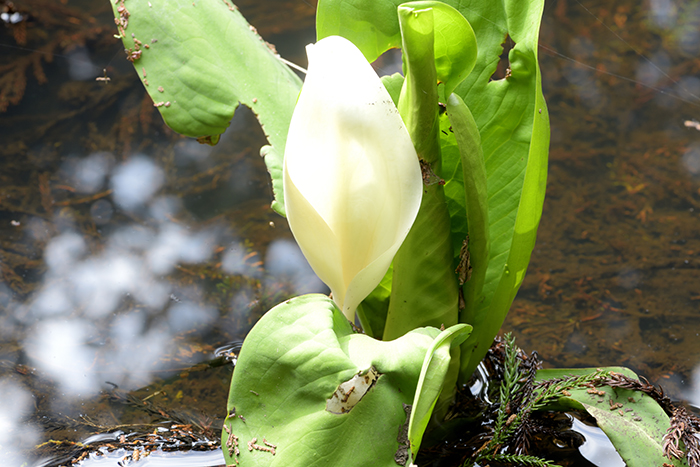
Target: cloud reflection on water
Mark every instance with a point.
(285, 262)
(14, 435)
(651, 71)
(663, 13)
(598, 448)
(693, 391)
(135, 182)
(88, 175)
(80, 65)
(691, 160)
(107, 309)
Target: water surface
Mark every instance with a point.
(129, 254)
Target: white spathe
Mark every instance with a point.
(352, 180)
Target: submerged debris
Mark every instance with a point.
(514, 429)
(172, 430)
(28, 23)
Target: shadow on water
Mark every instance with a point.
(129, 254)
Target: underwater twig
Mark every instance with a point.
(197, 424)
(522, 426)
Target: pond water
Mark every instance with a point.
(129, 254)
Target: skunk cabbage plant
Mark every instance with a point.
(421, 220)
(352, 181)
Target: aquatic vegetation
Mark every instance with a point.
(305, 379)
(524, 398)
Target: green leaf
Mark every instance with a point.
(292, 362)
(373, 26)
(453, 175)
(206, 59)
(433, 380)
(514, 126)
(636, 427)
(513, 122)
(424, 289)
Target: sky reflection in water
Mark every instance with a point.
(16, 406)
(107, 310)
(74, 331)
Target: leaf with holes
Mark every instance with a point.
(310, 389)
(634, 422)
(198, 60)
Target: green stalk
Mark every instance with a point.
(474, 173)
(424, 290)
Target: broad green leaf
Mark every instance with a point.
(512, 119)
(453, 175)
(636, 425)
(513, 122)
(433, 380)
(293, 362)
(425, 292)
(198, 60)
(372, 25)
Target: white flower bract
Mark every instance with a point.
(352, 180)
